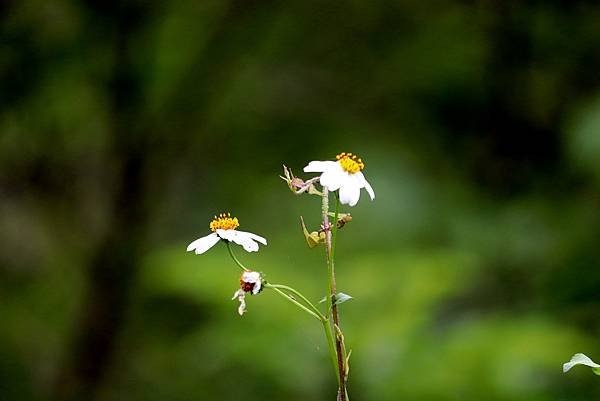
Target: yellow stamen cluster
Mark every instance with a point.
(349, 162)
(224, 222)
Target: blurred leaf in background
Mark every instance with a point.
(125, 126)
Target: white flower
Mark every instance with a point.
(251, 282)
(344, 174)
(581, 359)
(224, 227)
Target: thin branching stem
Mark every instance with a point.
(315, 312)
(236, 260)
(295, 302)
(311, 310)
(299, 295)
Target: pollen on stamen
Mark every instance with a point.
(224, 221)
(350, 162)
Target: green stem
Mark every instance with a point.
(339, 346)
(334, 233)
(292, 300)
(325, 211)
(299, 295)
(234, 258)
(331, 346)
(315, 312)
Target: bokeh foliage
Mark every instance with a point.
(124, 126)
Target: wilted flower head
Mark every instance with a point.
(251, 282)
(344, 174)
(297, 185)
(224, 227)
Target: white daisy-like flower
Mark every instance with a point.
(344, 174)
(251, 282)
(581, 359)
(224, 227)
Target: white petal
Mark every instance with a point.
(251, 277)
(364, 184)
(226, 234)
(318, 166)
(239, 237)
(350, 193)
(203, 244)
(257, 287)
(334, 177)
(579, 359)
(247, 243)
(255, 237)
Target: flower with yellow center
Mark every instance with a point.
(344, 174)
(251, 282)
(224, 227)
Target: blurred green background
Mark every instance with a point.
(126, 125)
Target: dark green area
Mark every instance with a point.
(125, 126)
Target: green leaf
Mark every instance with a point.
(596, 371)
